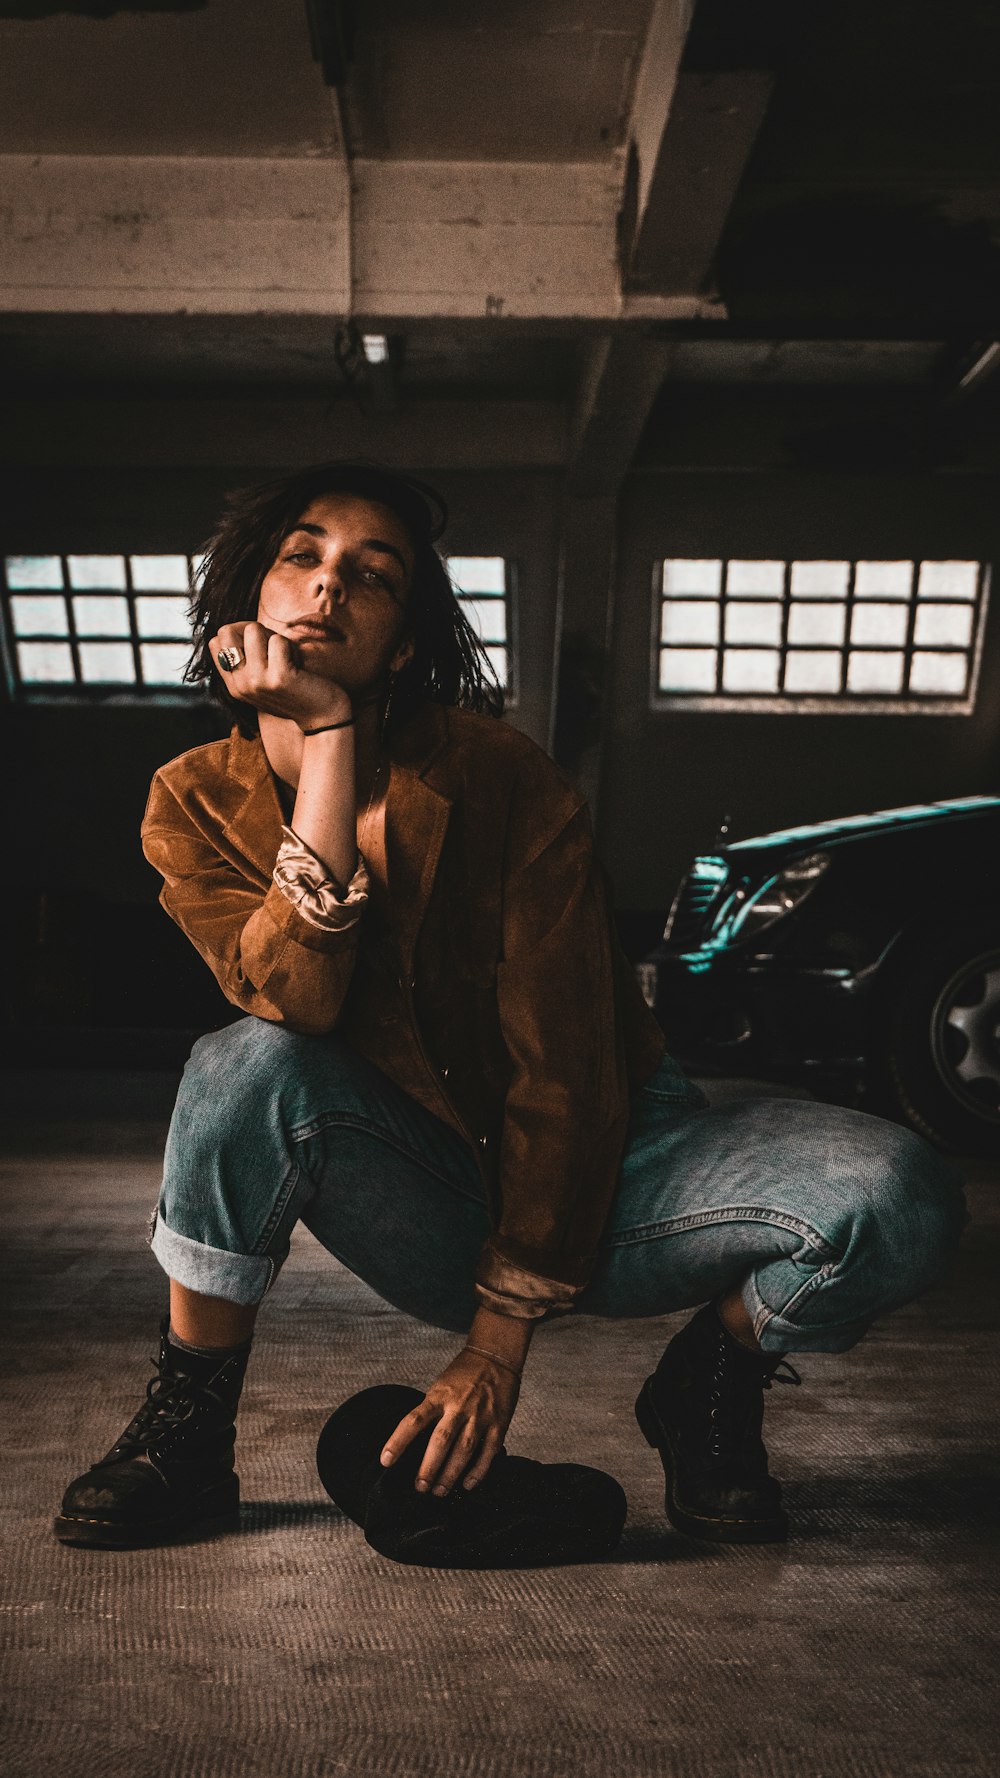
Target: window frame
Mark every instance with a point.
(139, 693)
(510, 599)
(835, 703)
(136, 693)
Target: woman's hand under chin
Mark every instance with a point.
(273, 679)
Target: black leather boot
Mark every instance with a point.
(172, 1468)
(703, 1409)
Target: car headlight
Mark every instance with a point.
(749, 911)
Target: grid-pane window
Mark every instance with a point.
(106, 621)
(482, 585)
(845, 633)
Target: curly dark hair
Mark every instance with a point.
(449, 664)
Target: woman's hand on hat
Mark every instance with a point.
(473, 1403)
(264, 669)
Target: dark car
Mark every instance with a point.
(864, 951)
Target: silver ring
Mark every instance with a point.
(230, 658)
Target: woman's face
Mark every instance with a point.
(338, 589)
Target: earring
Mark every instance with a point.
(388, 701)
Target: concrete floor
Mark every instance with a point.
(862, 1649)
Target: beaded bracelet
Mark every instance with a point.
(481, 1350)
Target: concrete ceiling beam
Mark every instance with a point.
(392, 240)
(92, 234)
(689, 138)
(472, 239)
(712, 128)
(656, 81)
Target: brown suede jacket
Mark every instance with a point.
(496, 995)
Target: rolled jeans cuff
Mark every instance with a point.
(211, 1271)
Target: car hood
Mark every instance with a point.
(821, 834)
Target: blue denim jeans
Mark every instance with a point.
(826, 1217)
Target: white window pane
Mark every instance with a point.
(755, 579)
(948, 580)
(813, 670)
(28, 572)
(162, 616)
(497, 658)
(692, 578)
(874, 672)
(820, 580)
(750, 669)
(478, 574)
(687, 669)
(689, 620)
(163, 663)
(488, 618)
(753, 623)
(944, 623)
(45, 663)
(816, 623)
(36, 614)
(97, 571)
(943, 673)
(879, 623)
(883, 580)
(100, 614)
(159, 574)
(106, 663)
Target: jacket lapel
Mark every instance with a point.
(416, 821)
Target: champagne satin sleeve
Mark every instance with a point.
(304, 880)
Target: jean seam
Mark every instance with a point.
(761, 1312)
(278, 1209)
(768, 1315)
(807, 1288)
(305, 1133)
(678, 1098)
(731, 1213)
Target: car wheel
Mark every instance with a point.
(944, 1043)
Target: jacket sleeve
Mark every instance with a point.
(566, 1110)
(267, 957)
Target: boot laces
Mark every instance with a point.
(787, 1375)
(170, 1401)
(725, 1429)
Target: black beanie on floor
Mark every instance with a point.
(522, 1514)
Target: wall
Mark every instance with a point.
(669, 777)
